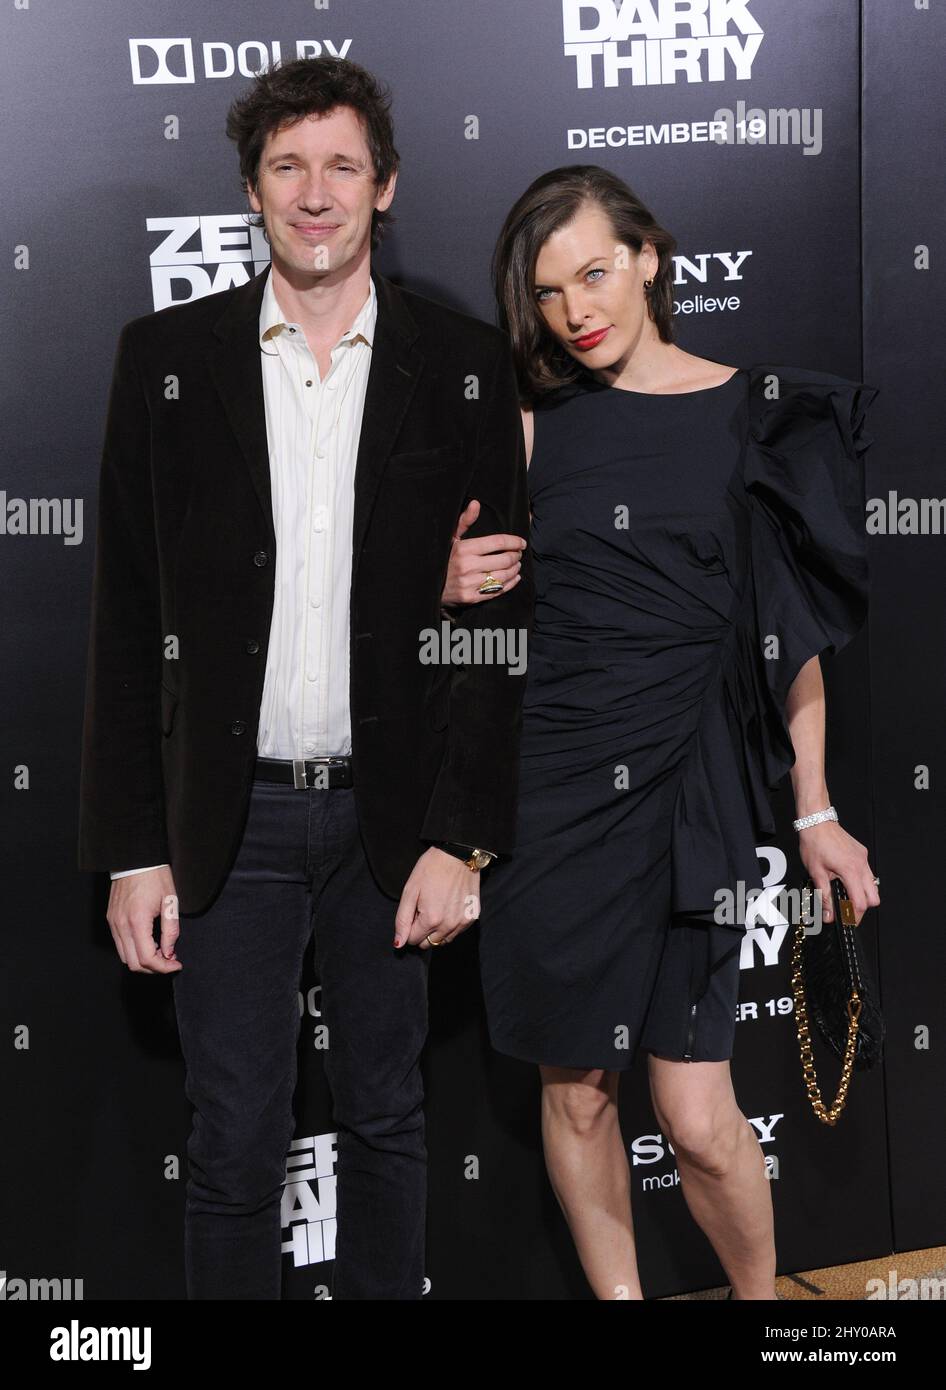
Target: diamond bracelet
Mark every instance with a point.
(815, 818)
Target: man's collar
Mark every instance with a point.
(272, 320)
(238, 321)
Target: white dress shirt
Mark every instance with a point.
(312, 428)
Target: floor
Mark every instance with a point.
(850, 1282)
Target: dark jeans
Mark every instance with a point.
(301, 867)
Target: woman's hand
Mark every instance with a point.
(441, 896)
(829, 852)
(472, 560)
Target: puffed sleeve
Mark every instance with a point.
(805, 592)
(804, 476)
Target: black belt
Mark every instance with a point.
(323, 774)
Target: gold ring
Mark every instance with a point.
(433, 943)
(490, 585)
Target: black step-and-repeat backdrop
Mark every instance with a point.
(794, 150)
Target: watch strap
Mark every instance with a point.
(463, 852)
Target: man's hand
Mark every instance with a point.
(134, 903)
(440, 899)
(829, 852)
(472, 560)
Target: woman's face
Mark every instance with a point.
(590, 290)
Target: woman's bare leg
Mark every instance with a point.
(587, 1167)
(721, 1167)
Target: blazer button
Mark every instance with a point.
(251, 646)
(261, 558)
(238, 726)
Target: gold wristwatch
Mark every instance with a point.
(474, 859)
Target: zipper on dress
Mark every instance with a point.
(688, 1055)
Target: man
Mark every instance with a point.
(264, 751)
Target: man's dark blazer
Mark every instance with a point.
(184, 579)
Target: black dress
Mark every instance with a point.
(691, 553)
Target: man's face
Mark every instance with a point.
(316, 192)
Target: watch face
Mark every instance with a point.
(481, 858)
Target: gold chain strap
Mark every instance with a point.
(828, 1117)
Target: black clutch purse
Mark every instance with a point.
(830, 983)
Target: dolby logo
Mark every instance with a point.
(166, 62)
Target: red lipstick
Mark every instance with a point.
(591, 340)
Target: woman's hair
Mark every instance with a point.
(289, 91)
(549, 203)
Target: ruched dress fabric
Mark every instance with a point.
(691, 553)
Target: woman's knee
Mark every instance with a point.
(698, 1113)
(708, 1136)
(579, 1100)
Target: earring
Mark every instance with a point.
(648, 284)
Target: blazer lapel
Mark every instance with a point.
(396, 365)
(238, 374)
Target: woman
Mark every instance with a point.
(698, 539)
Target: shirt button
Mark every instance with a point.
(310, 677)
(315, 602)
(260, 559)
(308, 383)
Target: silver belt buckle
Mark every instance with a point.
(300, 777)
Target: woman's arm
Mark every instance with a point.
(826, 850)
(498, 555)
(805, 715)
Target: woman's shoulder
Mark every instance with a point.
(553, 404)
(791, 374)
(772, 382)
(788, 405)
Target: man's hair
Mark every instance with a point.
(289, 91)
